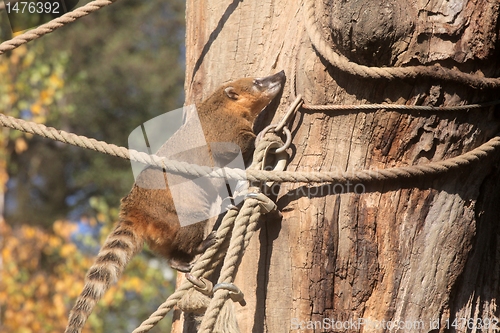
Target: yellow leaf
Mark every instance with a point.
(110, 295)
(64, 228)
(26, 291)
(20, 145)
(59, 306)
(67, 250)
(36, 327)
(36, 108)
(29, 232)
(29, 305)
(42, 291)
(59, 286)
(56, 81)
(3, 67)
(28, 60)
(46, 96)
(134, 283)
(6, 254)
(39, 119)
(4, 177)
(76, 288)
(9, 314)
(12, 98)
(54, 242)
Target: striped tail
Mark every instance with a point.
(118, 249)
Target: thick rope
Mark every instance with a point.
(245, 226)
(54, 24)
(390, 73)
(110, 149)
(428, 169)
(400, 107)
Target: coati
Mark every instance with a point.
(148, 214)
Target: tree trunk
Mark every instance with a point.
(422, 252)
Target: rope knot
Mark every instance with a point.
(194, 302)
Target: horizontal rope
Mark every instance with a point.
(410, 72)
(332, 107)
(431, 168)
(53, 24)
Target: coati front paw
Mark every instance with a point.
(181, 266)
(184, 266)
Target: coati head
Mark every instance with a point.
(254, 94)
(228, 115)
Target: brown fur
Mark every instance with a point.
(148, 215)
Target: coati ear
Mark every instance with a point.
(231, 93)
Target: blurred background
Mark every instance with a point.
(101, 76)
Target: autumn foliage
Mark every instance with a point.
(100, 85)
(42, 273)
(42, 268)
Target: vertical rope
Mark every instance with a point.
(245, 226)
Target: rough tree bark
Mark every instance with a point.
(423, 251)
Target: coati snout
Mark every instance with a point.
(270, 85)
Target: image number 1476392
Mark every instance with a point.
(26, 14)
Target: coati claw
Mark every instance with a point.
(201, 284)
(207, 242)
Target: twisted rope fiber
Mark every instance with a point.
(431, 168)
(390, 73)
(53, 24)
(114, 150)
(260, 149)
(203, 267)
(398, 107)
(245, 225)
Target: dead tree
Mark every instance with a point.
(422, 251)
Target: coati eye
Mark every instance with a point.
(258, 83)
(231, 93)
(257, 86)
